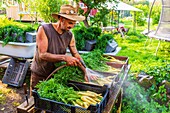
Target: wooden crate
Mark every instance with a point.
(24, 108)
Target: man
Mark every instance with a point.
(51, 43)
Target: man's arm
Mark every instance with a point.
(75, 53)
(73, 49)
(42, 43)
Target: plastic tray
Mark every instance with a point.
(16, 72)
(59, 107)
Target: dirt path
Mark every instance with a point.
(10, 98)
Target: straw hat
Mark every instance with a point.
(69, 12)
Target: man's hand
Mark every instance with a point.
(72, 61)
(86, 77)
(90, 77)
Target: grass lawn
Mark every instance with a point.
(142, 58)
(141, 52)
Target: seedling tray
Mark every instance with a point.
(16, 72)
(59, 107)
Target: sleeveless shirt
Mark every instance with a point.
(57, 44)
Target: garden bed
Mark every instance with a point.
(16, 49)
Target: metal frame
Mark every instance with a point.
(116, 94)
(160, 20)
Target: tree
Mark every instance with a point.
(44, 8)
(102, 16)
(31, 8)
(91, 4)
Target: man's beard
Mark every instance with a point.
(64, 30)
(68, 29)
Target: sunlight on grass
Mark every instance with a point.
(142, 56)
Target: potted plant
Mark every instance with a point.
(13, 41)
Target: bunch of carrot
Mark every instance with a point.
(86, 98)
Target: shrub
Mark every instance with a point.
(141, 16)
(156, 14)
(102, 41)
(10, 31)
(82, 33)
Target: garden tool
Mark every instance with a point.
(26, 94)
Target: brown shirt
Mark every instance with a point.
(57, 44)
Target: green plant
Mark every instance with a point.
(137, 100)
(95, 60)
(53, 90)
(156, 14)
(160, 73)
(3, 92)
(69, 73)
(141, 57)
(44, 8)
(2, 98)
(93, 33)
(160, 94)
(12, 33)
(103, 41)
(141, 16)
(79, 34)
(82, 33)
(101, 17)
(93, 4)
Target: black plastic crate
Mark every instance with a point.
(90, 44)
(59, 107)
(30, 37)
(16, 72)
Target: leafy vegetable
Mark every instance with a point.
(51, 89)
(69, 73)
(56, 88)
(11, 32)
(160, 73)
(83, 33)
(95, 60)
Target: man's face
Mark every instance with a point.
(67, 24)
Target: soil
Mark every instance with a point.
(13, 98)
